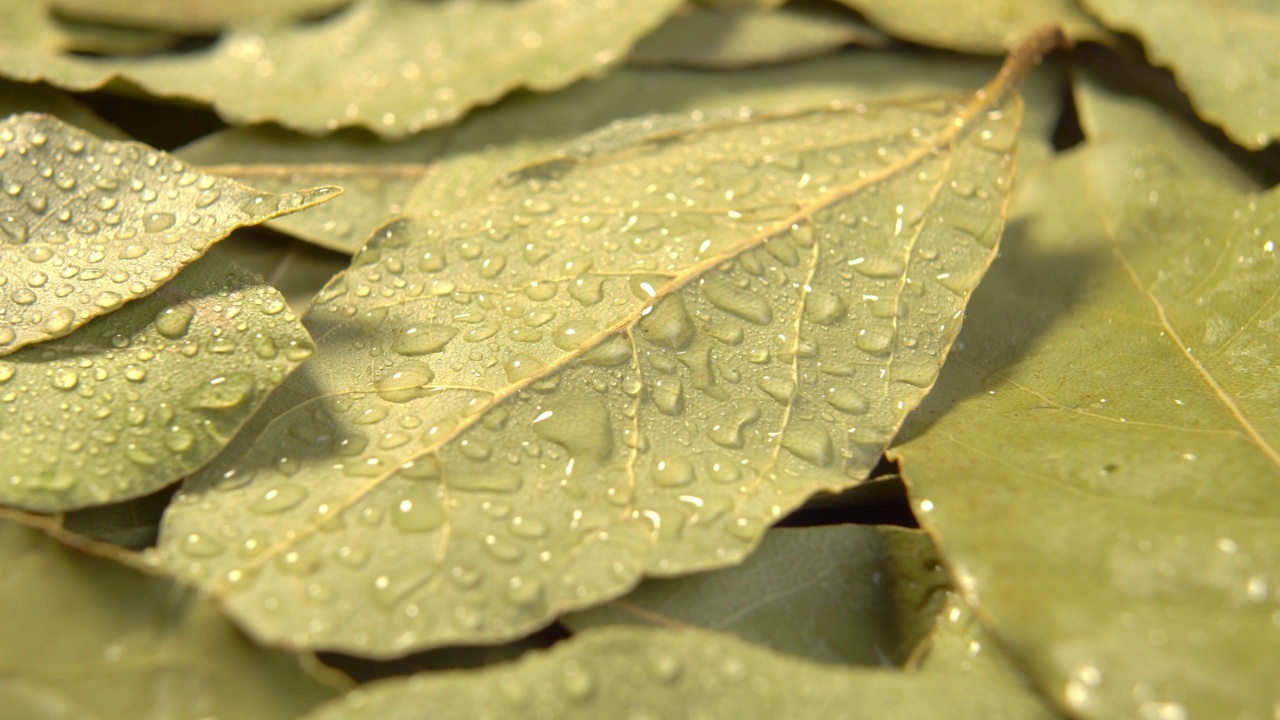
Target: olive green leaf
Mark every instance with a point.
(377, 177)
(706, 38)
(132, 524)
(85, 637)
(87, 225)
(1110, 108)
(988, 27)
(1222, 53)
(628, 359)
(1132, 319)
(393, 66)
(28, 24)
(648, 673)
(133, 402)
(297, 269)
(16, 98)
(960, 645)
(191, 16)
(737, 5)
(838, 594)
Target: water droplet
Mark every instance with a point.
(809, 441)
(158, 222)
(172, 322)
(417, 511)
(423, 339)
(848, 400)
(224, 392)
(673, 472)
(279, 498)
(65, 378)
(734, 300)
(58, 321)
(668, 324)
(406, 381)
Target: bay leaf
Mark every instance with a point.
(1219, 52)
(635, 672)
(87, 225)
(85, 637)
(988, 27)
(297, 269)
(17, 98)
(627, 360)
(191, 16)
(134, 401)
(718, 39)
(851, 594)
(1131, 318)
(395, 67)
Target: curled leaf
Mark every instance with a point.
(87, 225)
(134, 401)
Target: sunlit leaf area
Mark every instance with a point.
(642, 359)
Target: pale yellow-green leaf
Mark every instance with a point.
(987, 27)
(27, 23)
(627, 360)
(395, 67)
(136, 400)
(645, 673)
(377, 177)
(960, 645)
(706, 38)
(190, 16)
(741, 4)
(1099, 462)
(852, 594)
(87, 638)
(296, 268)
(1223, 53)
(88, 37)
(1111, 109)
(87, 225)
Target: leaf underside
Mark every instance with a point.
(627, 360)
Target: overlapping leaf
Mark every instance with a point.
(191, 16)
(632, 672)
(297, 269)
(706, 38)
(87, 225)
(977, 26)
(1099, 463)
(133, 402)
(837, 594)
(627, 360)
(393, 66)
(85, 637)
(1222, 53)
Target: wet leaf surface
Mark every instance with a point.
(984, 27)
(132, 402)
(87, 225)
(622, 671)
(707, 38)
(1135, 574)
(1216, 50)
(395, 67)
(86, 637)
(850, 594)
(629, 359)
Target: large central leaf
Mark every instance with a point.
(627, 360)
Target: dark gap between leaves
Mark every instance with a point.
(160, 124)
(881, 500)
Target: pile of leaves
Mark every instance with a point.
(585, 358)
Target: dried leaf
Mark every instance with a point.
(706, 38)
(1220, 53)
(853, 594)
(627, 360)
(87, 225)
(85, 637)
(395, 67)
(632, 672)
(132, 402)
(1133, 320)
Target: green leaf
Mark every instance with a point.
(131, 524)
(706, 38)
(297, 269)
(1221, 55)
(1111, 108)
(87, 225)
(629, 359)
(840, 594)
(191, 16)
(377, 177)
(16, 98)
(395, 67)
(1098, 464)
(85, 637)
(132, 402)
(960, 645)
(639, 673)
(987, 27)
